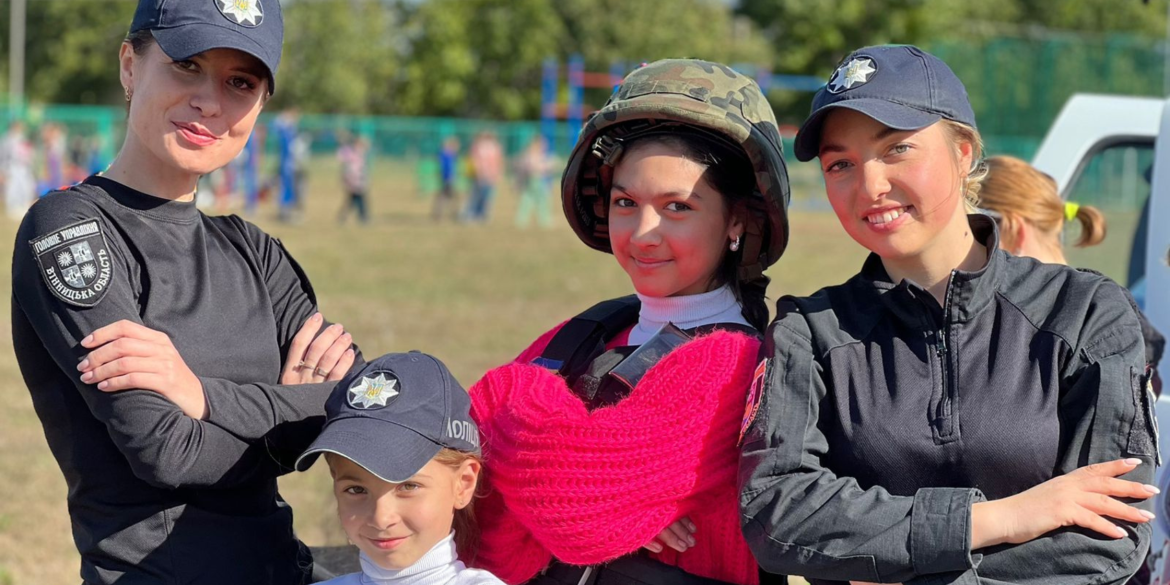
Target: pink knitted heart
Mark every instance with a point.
(589, 487)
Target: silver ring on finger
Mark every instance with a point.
(303, 366)
(320, 372)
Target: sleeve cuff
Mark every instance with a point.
(940, 530)
(247, 415)
(209, 394)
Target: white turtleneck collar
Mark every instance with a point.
(440, 566)
(686, 312)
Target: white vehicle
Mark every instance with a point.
(1114, 152)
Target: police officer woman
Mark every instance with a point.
(951, 414)
(617, 430)
(120, 283)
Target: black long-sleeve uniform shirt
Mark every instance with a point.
(885, 417)
(156, 496)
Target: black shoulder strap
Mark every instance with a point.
(576, 344)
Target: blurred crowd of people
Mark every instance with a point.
(470, 177)
(483, 168)
(30, 167)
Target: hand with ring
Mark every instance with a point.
(327, 358)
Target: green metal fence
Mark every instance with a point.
(1017, 86)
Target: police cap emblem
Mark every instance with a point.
(852, 74)
(377, 390)
(242, 12)
(75, 262)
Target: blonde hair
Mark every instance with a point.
(465, 526)
(1017, 191)
(973, 180)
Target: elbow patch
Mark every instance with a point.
(1143, 431)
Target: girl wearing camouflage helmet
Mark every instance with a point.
(592, 456)
(952, 413)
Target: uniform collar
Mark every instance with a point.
(967, 294)
(145, 203)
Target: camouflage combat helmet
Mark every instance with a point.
(701, 96)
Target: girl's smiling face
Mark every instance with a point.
(668, 227)
(395, 524)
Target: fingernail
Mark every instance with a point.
(86, 377)
(102, 385)
(316, 316)
(1121, 533)
(655, 547)
(1152, 489)
(83, 365)
(1133, 461)
(1148, 515)
(691, 542)
(88, 338)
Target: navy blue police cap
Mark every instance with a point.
(185, 28)
(900, 86)
(394, 415)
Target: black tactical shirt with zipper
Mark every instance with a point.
(885, 416)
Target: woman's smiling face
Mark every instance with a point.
(894, 191)
(195, 115)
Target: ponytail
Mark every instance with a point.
(1092, 224)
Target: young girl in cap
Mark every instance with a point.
(611, 441)
(951, 414)
(120, 283)
(404, 456)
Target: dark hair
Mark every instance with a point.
(728, 171)
(140, 40)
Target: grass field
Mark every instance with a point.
(474, 295)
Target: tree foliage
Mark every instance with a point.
(482, 58)
(340, 56)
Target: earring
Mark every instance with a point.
(128, 93)
(735, 244)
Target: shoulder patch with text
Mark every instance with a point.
(755, 393)
(75, 262)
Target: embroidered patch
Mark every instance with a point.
(242, 12)
(75, 262)
(755, 393)
(852, 74)
(376, 391)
